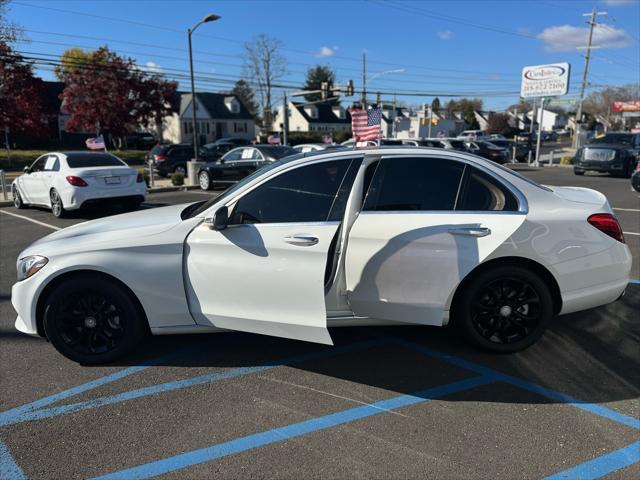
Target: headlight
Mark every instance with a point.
(30, 265)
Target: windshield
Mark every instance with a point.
(259, 172)
(622, 138)
(278, 152)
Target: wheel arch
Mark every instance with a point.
(542, 271)
(54, 282)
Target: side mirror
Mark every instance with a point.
(219, 221)
(26, 170)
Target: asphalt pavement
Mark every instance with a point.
(395, 402)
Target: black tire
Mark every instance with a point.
(17, 199)
(91, 319)
(504, 309)
(133, 205)
(180, 169)
(204, 179)
(578, 172)
(57, 208)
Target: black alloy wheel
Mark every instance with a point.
(91, 319)
(504, 309)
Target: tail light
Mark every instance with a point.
(76, 181)
(607, 224)
(160, 158)
(139, 178)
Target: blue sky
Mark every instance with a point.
(470, 47)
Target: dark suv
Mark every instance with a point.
(616, 153)
(168, 159)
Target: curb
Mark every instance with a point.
(6, 203)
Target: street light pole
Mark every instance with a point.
(208, 18)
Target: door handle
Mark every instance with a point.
(301, 240)
(471, 231)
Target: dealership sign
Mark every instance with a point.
(545, 80)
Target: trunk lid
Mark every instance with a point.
(586, 196)
(107, 177)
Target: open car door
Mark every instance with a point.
(265, 273)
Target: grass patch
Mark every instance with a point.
(22, 158)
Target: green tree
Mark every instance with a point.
(435, 104)
(466, 106)
(315, 77)
(70, 61)
(245, 94)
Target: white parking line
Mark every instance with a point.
(627, 209)
(631, 233)
(53, 227)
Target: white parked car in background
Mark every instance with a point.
(310, 147)
(64, 181)
(380, 236)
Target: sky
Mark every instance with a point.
(417, 49)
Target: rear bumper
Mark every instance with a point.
(74, 199)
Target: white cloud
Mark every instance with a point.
(153, 67)
(445, 35)
(565, 38)
(326, 51)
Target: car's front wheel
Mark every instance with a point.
(17, 199)
(578, 172)
(504, 309)
(90, 319)
(57, 208)
(205, 180)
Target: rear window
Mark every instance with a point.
(158, 149)
(83, 160)
(278, 152)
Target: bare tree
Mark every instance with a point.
(598, 103)
(263, 66)
(9, 32)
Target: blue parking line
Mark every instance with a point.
(603, 465)
(9, 469)
(280, 434)
(634, 281)
(13, 415)
(532, 387)
(25, 415)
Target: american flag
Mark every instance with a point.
(95, 143)
(366, 124)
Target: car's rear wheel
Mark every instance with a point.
(91, 319)
(578, 172)
(205, 180)
(57, 208)
(504, 309)
(17, 199)
(180, 169)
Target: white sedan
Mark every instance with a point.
(64, 181)
(380, 236)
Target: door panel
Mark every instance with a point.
(403, 266)
(259, 278)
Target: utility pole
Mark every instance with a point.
(538, 140)
(285, 120)
(430, 121)
(592, 23)
(393, 125)
(533, 119)
(364, 80)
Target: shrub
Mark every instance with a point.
(177, 179)
(566, 161)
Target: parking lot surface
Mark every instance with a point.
(410, 402)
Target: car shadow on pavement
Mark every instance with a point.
(591, 356)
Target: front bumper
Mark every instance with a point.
(606, 166)
(24, 297)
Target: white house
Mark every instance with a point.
(315, 117)
(550, 120)
(218, 115)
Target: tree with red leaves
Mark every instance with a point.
(21, 95)
(111, 95)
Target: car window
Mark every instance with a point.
(233, 155)
(84, 160)
(305, 194)
(52, 164)
(414, 184)
(481, 192)
(256, 155)
(38, 165)
(247, 154)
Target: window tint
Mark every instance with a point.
(305, 194)
(233, 155)
(481, 192)
(38, 165)
(401, 184)
(82, 160)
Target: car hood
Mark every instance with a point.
(607, 145)
(117, 230)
